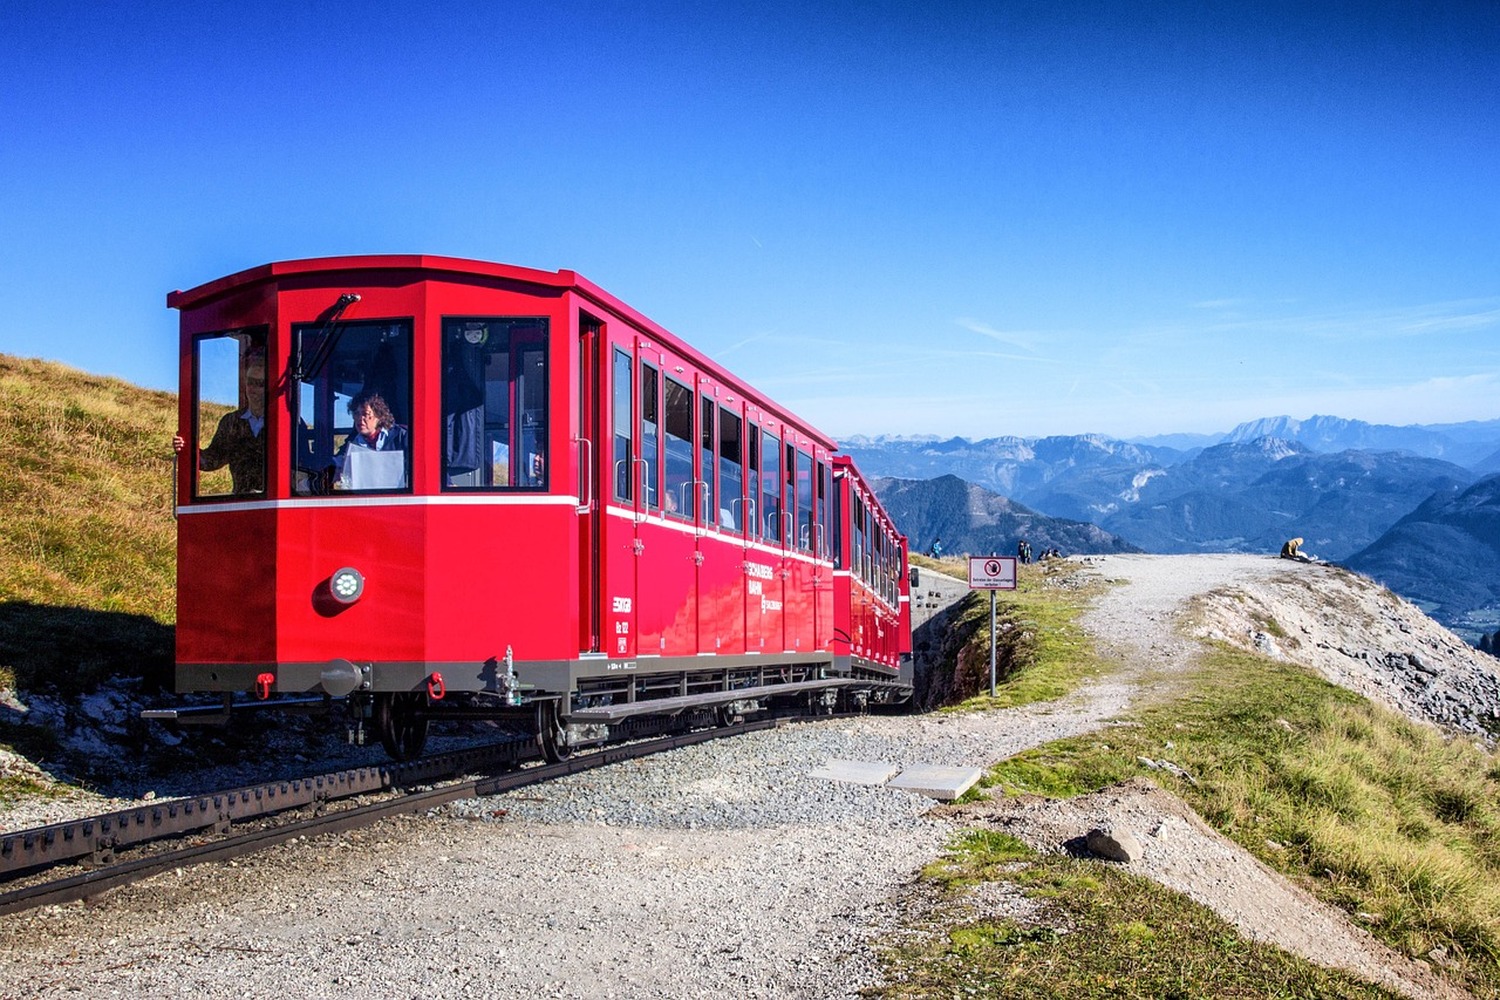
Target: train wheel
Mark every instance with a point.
(403, 731)
(552, 734)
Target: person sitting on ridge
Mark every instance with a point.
(1292, 550)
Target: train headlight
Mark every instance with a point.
(346, 585)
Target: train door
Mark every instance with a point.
(588, 452)
(768, 568)
(750, 520)
(822, 540)
(707, 556)
(726, 567)
(798, 593)
(618, 541)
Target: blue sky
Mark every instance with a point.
(959, 218)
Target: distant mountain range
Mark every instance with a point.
(1409, 506)
(969, 518)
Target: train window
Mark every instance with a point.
(494, 403)
(677, 498)
(353, 406)
(706, 456)
(770, 485)
(650, 436)
(731, 472)
(836, 526)
(752, 480)
(621, 423)
(824, 538)
(857, 553)
(229, 410)
(789, 493)
(805, 540)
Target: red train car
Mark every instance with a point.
(424, 483)
(872, 590)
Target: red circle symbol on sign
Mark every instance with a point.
(992, 567)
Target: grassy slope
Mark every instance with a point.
(1384, 818)
(87, 546)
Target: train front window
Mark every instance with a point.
(229, 408)
(494, 404)
(351, 428)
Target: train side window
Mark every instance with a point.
(677, 496)
(229, 411)
(770, 485)
(621, 421)
(859, 555)
(824, 538)
(752, 480)
(805, 540)
(836, 535)
(731, 472)
(650, 436)
(494, 403)
(706, 460)
(350, 431)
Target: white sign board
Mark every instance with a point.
(992, 572)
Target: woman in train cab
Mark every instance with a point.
(375, 431)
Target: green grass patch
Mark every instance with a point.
(1100, 932)
(977, 856)
(1378, 815)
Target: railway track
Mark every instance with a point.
(147, 832)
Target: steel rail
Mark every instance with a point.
(98, 880)
(98, 837)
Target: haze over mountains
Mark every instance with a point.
(1416, 507)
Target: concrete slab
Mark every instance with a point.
(856, 772)
(937, 781)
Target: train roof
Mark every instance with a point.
(461, 267)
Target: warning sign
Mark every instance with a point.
(992, 572)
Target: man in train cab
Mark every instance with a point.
(374, 456)
(240, 439)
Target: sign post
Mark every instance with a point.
(992, 573)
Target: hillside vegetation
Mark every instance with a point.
(87, 551)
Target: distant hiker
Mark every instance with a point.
(937, 548)
(1023, 551)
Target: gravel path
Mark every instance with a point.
(717, 869)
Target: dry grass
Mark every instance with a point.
(88, 540)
